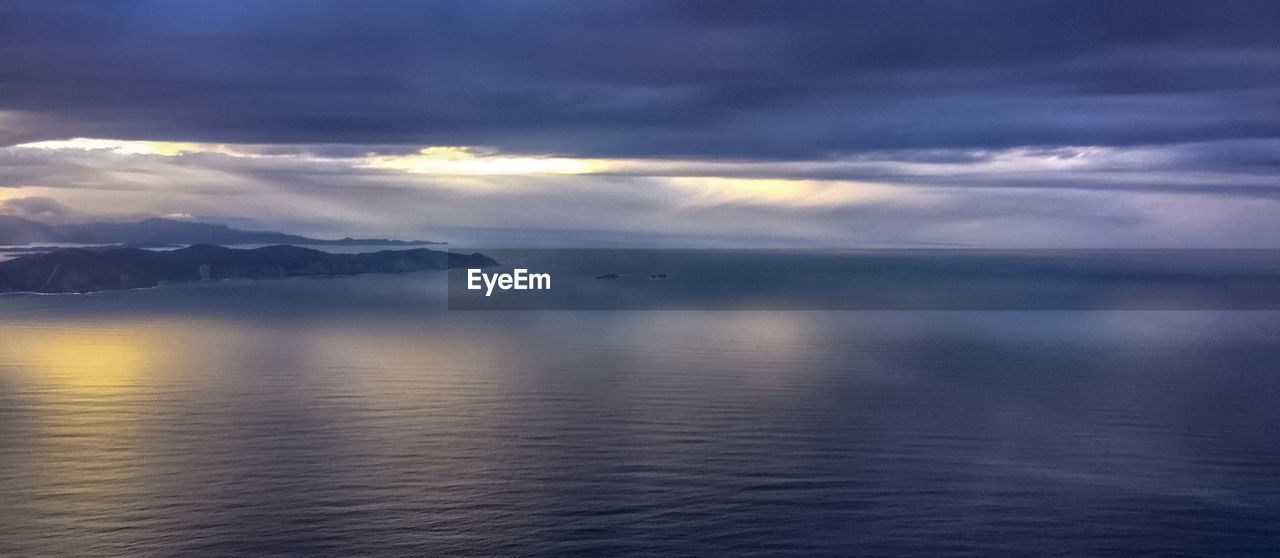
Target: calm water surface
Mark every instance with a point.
(355, 416)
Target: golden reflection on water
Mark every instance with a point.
(82, 361)
(83, 381)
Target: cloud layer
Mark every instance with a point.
(765, 122)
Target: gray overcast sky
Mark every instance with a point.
(1011, 123)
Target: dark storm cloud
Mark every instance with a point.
(740, 80)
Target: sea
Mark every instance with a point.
(362, 416)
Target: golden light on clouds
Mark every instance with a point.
(709, 190)
(134, 147)
(450, 160)
(694, 183)
(438, 160)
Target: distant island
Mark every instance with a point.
(75, 270)
(19, 231)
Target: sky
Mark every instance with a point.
(1020, 123)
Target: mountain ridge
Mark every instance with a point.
(75, 270)
(17, 231)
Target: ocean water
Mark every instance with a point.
(357, 416)
(882, 279)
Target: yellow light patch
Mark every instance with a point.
(451, 160)
(83, 362)
(800, 193)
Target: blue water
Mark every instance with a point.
(623, 279)
(356, 416)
